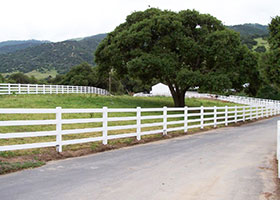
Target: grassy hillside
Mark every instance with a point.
(93, 101)
(59, 56)
(250, 29)
(261, 42)
(252, 35)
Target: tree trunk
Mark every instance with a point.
(178, 97)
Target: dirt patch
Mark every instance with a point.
(276, 179)
(271, 182)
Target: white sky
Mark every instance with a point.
(58, 20)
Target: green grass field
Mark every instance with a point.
(94, 101)
(261, 42)
(78, 101)
(38, 75)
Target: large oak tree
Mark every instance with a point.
(183, 50)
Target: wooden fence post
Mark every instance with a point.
(186, 119)
(164, 120)
(19, 88)
(138, 115)
(105, 125)
(251, 112)
(58, 129)
(201, 117)
(215, 116)
(235, 114)
(226, 115)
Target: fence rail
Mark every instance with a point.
(9, 88)
(111, 123)
(236, 99)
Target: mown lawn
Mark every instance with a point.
(94, 101)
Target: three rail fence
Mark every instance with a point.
(9, 88)
(59, 127)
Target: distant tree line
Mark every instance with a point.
(84, 75)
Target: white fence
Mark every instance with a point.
(9, 88)
(235, 99)
(107, 124)
(278, 147)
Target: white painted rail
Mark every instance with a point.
(131, 122)
(10, 88)
(236, 99)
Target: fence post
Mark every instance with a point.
(270, 110)
(105, 125)
(186, 119)
(215, 116)
(44, 89)
(58, 129)
(56, 89)
(201, 117)
(164, 120)
(28, 89)
(50, 89)
(138, 115)
(278, 146)
(19, 88)
(257, 112)
(226, 115)
(36, 89)
(9, 88)
(261, 111)
(251, 112)
(235, 114)
(62, 89)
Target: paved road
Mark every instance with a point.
(225, 164)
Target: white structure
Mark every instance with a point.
(160, 90)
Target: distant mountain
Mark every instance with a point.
(12, 46)
(41, 56)
(60, 56)
(251, 34)
(251, 29)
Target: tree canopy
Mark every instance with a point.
(183, 50)
(271, 60)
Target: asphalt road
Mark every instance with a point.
(230, 163)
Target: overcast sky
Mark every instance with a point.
(58, 20)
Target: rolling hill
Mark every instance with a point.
(257, 30)
(34, 56)
(12, 46)
(59, 56)
(250, 34)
